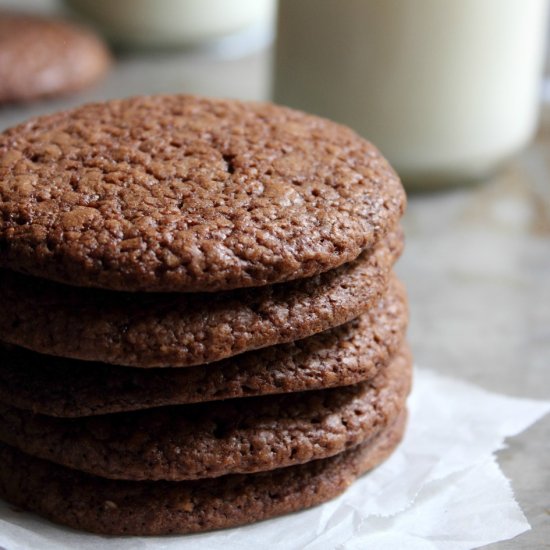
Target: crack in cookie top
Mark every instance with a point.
(181, 193)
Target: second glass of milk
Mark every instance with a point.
(447, 89)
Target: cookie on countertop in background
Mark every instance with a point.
(41, 57)
(186, 194)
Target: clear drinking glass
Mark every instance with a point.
(447, 89)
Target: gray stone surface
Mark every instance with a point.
(477, 267)
(477, 262)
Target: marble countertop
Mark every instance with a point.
(477, 261)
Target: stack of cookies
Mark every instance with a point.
(200, 326)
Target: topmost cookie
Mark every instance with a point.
(180, 193)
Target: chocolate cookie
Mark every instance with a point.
(186, 194)
(158, 330)
(119, 507)
(214, 439)
(345, 355)
(43, 57)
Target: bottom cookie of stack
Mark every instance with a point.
(118, 507)
(171, 469)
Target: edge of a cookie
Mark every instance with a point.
(215, 439)
(112, 507)
(172, 331)
(70, 388)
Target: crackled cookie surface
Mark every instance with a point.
(180, 193)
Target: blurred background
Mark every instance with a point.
(456, 93)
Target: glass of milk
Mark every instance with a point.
(447, 89)
(170, 23)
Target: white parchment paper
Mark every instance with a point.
(442, 489)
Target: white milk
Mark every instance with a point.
(172, 22)
(447, 89)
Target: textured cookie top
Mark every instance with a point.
(180, 193)
(42, 57)
(213, 439)
(348, 354)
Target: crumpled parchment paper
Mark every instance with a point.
(441, 489)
